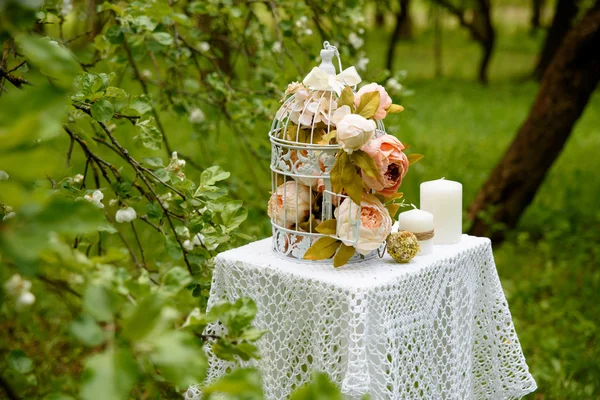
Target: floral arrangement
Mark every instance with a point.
(368, 170)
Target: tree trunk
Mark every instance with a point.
(536, 14)
(488, 39)
(564, 92)
(402, 30)
(564, 16)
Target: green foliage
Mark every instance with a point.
(109, 318)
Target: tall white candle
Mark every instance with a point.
(418, 221)
(443, 199)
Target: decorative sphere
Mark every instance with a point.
(403, 246)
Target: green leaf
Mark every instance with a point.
(155, 162)
(369, 103)
(395, 196)
(328, 227)
(343, 254)
(244, 382)
(346, 98)
(163, 38)
(233, 215)
(144, 318)
(148, 134)
(52, 59)
(322, 249)
(319, 388)
(109, 375)
(172, 248)
(414, 158)
(394, 108)
(179, 358)
(19, 361)
(212, 175)
(103, 110)
(175, 279)
(99, 302)
(141, 104)
(236, 317)
(115, 93)
(114, 35)
(86, 330)
(365, 163)
(57, 396)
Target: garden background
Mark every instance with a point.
(113, 312)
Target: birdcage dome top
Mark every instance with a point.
(310, 109)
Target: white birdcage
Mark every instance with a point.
(302, 157)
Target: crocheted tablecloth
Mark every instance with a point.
(436, 328)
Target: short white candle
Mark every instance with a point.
(418, 221)
(443, 199)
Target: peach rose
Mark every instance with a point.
(290, 204)
(391, 162)
(384, 98)
(353, 131)
(375, 223)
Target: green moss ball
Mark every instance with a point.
(403, 246)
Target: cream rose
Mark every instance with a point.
(391, 163)
(375, 223)
(385, 101)
(290, 204)
(353, 131)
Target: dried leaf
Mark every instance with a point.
(346, 98)
(327, 137)
(392, 209)
(342, 256)
(414, 158)
(394, 108)
(393, 197)
(369, 103)
(352, 182)
(327, 227)
(322, 249)
(336, 172)
(365, 162)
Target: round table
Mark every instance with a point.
(438, 327)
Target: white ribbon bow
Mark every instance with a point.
(317, 79)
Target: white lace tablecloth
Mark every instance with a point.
(436, 328)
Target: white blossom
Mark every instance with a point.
(95, 198)
(196, 116)
(204, 46)
(125, 215)
(355, 40)
(301, 22)
(308, 32)
(362, 63)
(277, 46)
(10, 215)
(3, 176)
(394, 85)
(78, 178)
(67, 7)
(146, 74)
(25, 300)
(188, 245)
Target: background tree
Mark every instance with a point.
(480, 27)
(403, 27)
(564, 16)
(536, 15)
(565, 90)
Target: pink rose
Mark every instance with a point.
(391, 162)
(375, 223)
(385, 101)
(290, 204)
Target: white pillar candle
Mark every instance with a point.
(418, 221)
(443, 199)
